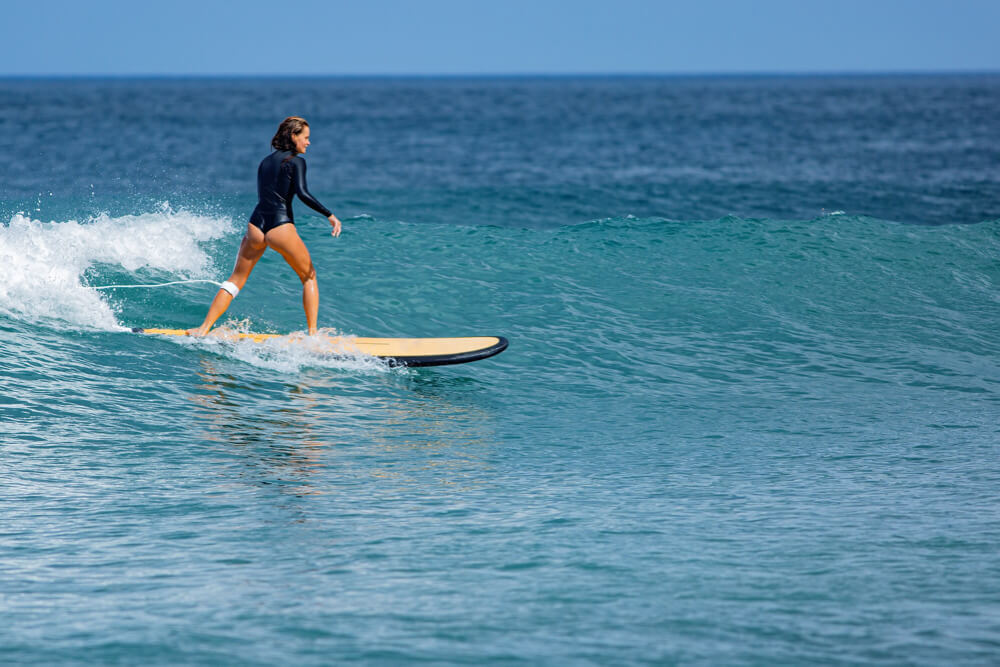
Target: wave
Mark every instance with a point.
(44, 265)
(791, 293)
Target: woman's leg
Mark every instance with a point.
(251, 249)
(285, 239)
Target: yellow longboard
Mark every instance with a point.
(399, 351)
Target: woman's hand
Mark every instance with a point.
(336, 225)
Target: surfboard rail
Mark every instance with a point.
(412, 352)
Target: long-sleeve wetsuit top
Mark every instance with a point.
(281, 176)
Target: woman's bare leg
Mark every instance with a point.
(285, 239)
(252, 247)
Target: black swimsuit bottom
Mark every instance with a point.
(281, 176)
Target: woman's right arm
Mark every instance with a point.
(302, 190)
(298, 166)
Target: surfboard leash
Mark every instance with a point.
(173, 282)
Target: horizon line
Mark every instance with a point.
(507, 75)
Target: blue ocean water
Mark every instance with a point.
(748, 414)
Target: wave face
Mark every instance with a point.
(731, 427)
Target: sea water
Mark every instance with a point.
(748, 414)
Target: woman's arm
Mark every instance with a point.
(299, 181)
(302, 190)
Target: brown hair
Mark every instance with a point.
(282, 140)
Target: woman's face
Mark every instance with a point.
(301, 140)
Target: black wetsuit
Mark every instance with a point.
(281, 176)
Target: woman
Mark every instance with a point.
(280, 176)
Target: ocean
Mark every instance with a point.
(748, 415)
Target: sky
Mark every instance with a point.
(496, 37)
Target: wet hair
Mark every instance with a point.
(282, 140)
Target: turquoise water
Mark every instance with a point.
(716, 440)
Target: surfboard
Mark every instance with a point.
(398, 351)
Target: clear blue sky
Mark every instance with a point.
(496, 36)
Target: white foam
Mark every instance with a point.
(42, 264)
(289, 354)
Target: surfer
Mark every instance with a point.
(280, 176)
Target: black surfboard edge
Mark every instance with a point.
(438, 359)
(451, 359)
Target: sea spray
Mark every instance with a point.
(43, 265)
(289, 354)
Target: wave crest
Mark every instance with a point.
(43, 264)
